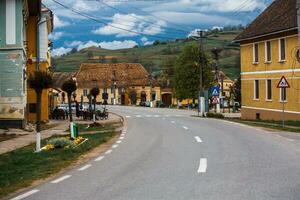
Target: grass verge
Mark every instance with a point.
(290, 126)
(20, 168)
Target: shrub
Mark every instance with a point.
(215, 115)
(61, 142)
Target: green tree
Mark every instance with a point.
(187, 73)
(69, 87)
(236, 90)
(95, 92)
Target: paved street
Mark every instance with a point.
(167, 154)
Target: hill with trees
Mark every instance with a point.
(154, 56)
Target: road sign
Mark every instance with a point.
(283, 83)
(215, 91)
(215, 100)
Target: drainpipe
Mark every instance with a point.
(298, 22)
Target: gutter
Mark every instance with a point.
(265, 35)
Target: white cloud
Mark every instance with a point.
(85, 7)
(56, 35)
(130, 22)
(217, 28)
(73, 43)
(112, 45)
(60, 51)
(58, 23)
(146, 42)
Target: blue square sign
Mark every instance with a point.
(215, 91)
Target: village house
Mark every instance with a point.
(18, 43)
(269, 47)
(124, 83)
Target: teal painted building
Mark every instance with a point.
(13, 60)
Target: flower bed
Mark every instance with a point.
(63, 143)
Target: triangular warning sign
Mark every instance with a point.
(215, 92)
(283, 83)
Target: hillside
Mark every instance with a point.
(153, 56)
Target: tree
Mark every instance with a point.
(168, 72)
(156, 42)
(69, 87)
(236, 91)
(74, 50)
(95, 92)
(63, 97)
(187, 73)
(39, 81)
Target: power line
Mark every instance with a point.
(107, 24)
(138, 18)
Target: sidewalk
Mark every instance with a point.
(27, 138)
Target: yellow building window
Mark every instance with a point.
(282, 48)
(256, 90)
(255, 53)
(268, 89)
(268, 52)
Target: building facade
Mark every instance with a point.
(124, 83)
(269, 49)
(40, 59)
(14, 15)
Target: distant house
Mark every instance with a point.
(269, 51)
(124, 83)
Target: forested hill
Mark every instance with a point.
(153, 56)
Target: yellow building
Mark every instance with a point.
(269, 48)
(125, 83)
(44, 27)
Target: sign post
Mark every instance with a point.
(283, 84)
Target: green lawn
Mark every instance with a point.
(290, 126)
(19, 168)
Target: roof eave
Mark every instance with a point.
(264, 35)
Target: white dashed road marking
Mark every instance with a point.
(115, 146)
(138, 116)
(61, 179)
(84, 167)
(119, 141)
(291, 140)
(202, 165)
(27, 194)
(108, 151)
(121, 138)
(128, 116)
(99, 158)
(173, 122)
(198, 139)
(186, 128)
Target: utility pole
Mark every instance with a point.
(201, 100)
(216, 52)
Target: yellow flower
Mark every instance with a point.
(49, 147)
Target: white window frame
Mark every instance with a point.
(279, 49)
(87, 92)
(280, 95)
(266, 52)
(254, 90)
(10, 23)
(268, 90)
(254, 60)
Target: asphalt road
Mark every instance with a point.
(167, 154)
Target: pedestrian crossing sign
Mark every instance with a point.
(283, 83)
(215, 91)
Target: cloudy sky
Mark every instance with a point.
(117, 24)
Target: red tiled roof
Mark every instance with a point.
(280, 16)
(104, 75)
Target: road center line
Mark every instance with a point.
(119, 141)
(128, 116)
(108, 151)
(202, 165)
(186, 128)
(173, 122)
(99, 158)
(61, 179)
(138, 116)
(121, 138)
(27, 194)
(115, 146)
(84, 167)
(198, 139)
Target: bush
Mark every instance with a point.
(61, 143)
(215, 115)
